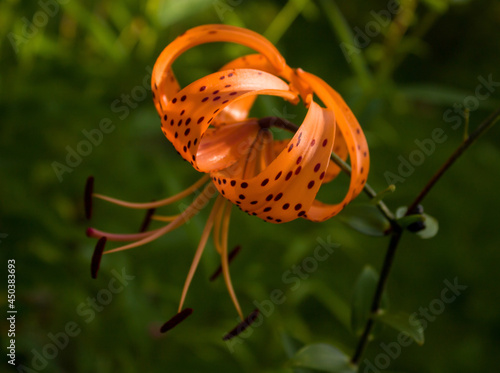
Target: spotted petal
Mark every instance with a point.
(356, 145)
(239, 110)
(186, 118)
(287, 187)
(163, 81)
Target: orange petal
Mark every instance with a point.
(355, 141)
(161, 80)
(224, 145)
(286, 189)
(339, 148)
(186, 118)
(239, 110)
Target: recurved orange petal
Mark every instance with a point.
(354, 139)
(239, 110)
(163, 80)
(186, 118)
(286, 189)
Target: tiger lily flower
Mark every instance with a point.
(276, 180)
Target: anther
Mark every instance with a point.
(240, 328)
(97, 256)
(177, 319)
(147, 219)
(89, 189)
(230, 257)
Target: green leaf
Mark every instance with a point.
(322, 357)
(364, 290)
(365, 218)
(405, 324)
(431, 227)
(405, 221)
(290, 344)
(431, 223)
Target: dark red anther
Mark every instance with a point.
(242, 325)
(97, 256)
(177, 319)
(89, 189)
(230, 257)
(147, 219)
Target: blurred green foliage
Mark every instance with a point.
(69, 65)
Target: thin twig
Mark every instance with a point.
(483, 127)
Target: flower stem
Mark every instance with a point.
(397, 232)
(483, 127)
(377, 298)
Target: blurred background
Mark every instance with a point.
(69, 66)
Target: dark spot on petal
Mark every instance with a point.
(264, 183)
(317, 167)
(278, 196)
(203, 88)
(244, 185)
(297, 171)
(269, 197)
(233, 183)
(186, 132)
(200, 120)
(241, 196)
(310, 185)
(286, 206)
(183, 98)
(298, 206)
(288, 175)
(267, 209)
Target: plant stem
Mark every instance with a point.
(377, 298)
(483, 127)
(397, 232)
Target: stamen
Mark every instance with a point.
(224, 259)
(118, 237)
(87, 199)
(163, 202)
(97, 256)
(177, 319)
(185, 216)
(147, 220)
(242, 325)
(230, 258)
(164, 218)
(201, 246)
